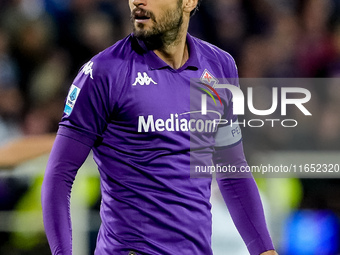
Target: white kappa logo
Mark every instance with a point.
(145, 79)
(87, 69)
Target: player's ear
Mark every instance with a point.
(189, 5)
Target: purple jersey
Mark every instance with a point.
(149, 127)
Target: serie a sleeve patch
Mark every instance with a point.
(71, 99)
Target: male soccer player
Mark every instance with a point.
(151, 126)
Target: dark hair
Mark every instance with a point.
(196, 8)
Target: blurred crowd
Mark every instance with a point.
(42, 46)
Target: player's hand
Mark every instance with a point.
(272, 252)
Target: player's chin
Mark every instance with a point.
(141, 31)
(142, 27)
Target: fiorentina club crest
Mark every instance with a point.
(208, 78)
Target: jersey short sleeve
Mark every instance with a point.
(229, 133)
(87, 106)
(228, 139)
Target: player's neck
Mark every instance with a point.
(175, 54)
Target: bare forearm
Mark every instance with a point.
(271, 252)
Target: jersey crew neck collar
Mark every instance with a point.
(156, 63)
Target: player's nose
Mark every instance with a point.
(138, 3)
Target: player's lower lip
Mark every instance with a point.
(142, 20)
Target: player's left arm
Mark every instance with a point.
(239, 189)
(242, 198)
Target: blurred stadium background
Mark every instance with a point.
(43, 43)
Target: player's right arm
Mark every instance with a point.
(66, 157)
(86, 114)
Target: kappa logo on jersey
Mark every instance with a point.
(71, 99)
(208, 78)
(143, 80)
(87, 69)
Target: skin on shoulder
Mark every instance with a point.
(163, 26)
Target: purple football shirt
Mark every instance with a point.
(150, 130)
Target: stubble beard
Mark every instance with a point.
(164, 32)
